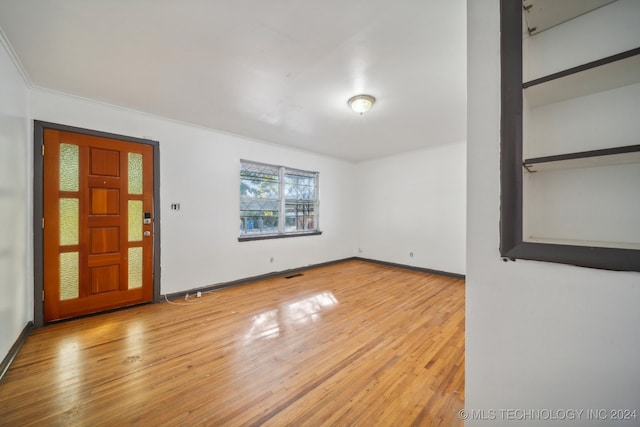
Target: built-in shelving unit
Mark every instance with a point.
(574, 197)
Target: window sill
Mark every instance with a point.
(277, 236)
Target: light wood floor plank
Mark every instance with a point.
(353, 343)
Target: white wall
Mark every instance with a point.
(200, 170)
(539, 335)
(414, 203)
(16, 286)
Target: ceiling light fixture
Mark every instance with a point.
(361, 103)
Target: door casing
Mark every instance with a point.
(38, 208)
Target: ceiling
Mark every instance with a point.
(275, 70)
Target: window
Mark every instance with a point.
(276, 201)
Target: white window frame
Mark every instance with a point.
(280, 205)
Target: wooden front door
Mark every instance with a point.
(98, 224)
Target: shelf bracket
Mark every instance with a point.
(529, 168)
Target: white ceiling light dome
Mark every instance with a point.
(361, 103)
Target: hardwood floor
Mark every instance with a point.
(353, 343)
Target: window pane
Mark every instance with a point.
(135, 220)
(300, 185)
(300, 217)
(69, 220)
(69, 283)
(259, 181)
(68, 167)
(135, 173)
(259, 216)
(135, 268)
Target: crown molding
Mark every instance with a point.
(4, 41)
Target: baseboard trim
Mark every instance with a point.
(413, 268)
(253, 279)
(15, 349)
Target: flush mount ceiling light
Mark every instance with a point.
(361, 103)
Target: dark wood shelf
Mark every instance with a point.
(541, 15)
(607, 73)
(608, 156)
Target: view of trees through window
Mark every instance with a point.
(277, 200)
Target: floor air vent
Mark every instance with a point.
(294, 275)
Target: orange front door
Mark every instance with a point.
(98, 224)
